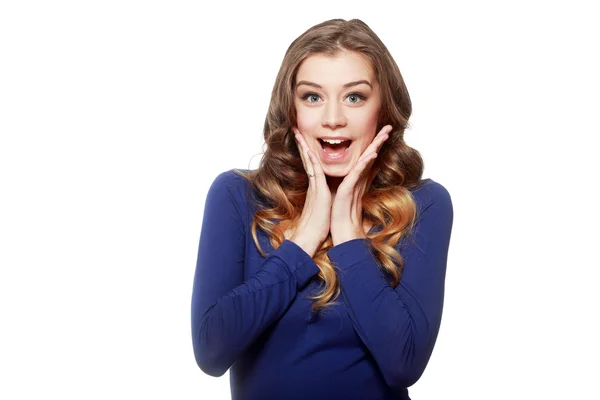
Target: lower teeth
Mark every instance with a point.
(335, 154)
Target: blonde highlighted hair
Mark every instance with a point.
(282, 181)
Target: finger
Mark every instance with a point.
(317, 166)
(378, 141)
(308, 162)
(381, 137)
(384, 136)
(357, 171)
(365, 161)
(301, 149)
(318, 169)
(310, 169)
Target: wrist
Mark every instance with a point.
(342, 238)
(304, 244)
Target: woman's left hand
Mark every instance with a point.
(346, 210)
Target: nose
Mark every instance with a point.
(333, 115)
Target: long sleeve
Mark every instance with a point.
(399, 325)
(228, 313)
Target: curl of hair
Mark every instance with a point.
(282, 181)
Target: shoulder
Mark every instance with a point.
(435, 213)
(431, 193)
(232, 179)
(230, 187)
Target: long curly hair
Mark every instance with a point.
(281, 181)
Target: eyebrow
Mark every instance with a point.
(347, 85)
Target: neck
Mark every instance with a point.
(334, 182)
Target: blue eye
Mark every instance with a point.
(307, 95)
(357, 96)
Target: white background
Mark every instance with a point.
(115, 117)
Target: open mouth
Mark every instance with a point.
(335, 148)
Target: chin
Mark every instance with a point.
(336, 170)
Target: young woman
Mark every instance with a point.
(320, 274)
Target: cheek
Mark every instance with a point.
(307, 121)
(371, 118)
(366, 143)
(367, 122)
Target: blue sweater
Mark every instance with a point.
(252, 313)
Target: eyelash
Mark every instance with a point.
(360, 96)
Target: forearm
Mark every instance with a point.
(389, 321)
(224, 329)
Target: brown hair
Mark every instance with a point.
(282, 181)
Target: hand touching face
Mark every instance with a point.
(337, 98)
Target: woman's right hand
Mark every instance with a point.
(313, 226)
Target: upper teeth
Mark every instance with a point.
(333, 141)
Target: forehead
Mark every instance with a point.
(344, 67)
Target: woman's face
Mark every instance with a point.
(337, 97)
